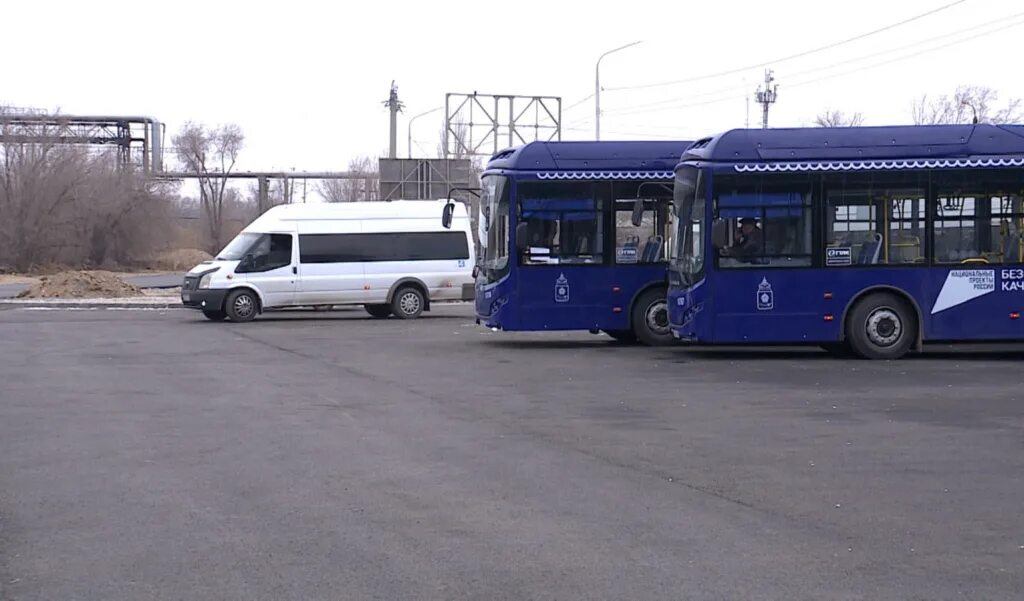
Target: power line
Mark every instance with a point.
(902, 58)
(792, 56)
(655, 108)
(577, 103)
(672, 102)
(630, 110)
(660, 134)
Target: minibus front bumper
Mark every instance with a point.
(205, 299)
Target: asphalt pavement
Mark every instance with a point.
(155, 455)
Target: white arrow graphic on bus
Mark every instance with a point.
(962, 285)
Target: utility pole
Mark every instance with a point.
(767, 96)
(395, 105)
(262, 194)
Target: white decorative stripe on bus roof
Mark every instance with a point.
(879, 165)
(605, 175)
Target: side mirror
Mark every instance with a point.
(447, 214)
(247, 263)
(719, 233)
(522, 235)
(638, 213)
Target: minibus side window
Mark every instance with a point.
(272, 251)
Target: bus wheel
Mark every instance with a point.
(881, 326)
(379, 311)
(242, 305)
(407, 303)
(622, 336)
(650, 318)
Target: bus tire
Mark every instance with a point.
(650, 318)
(214, 314)
(407, 303)
(622, 336)
(378, 311)
(242, 305)
(881, 326)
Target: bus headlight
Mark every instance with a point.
(204, 282)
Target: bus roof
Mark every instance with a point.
(646, 156)
(859, 143)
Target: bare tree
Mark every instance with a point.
(210, 154)
(458, 142)
(71, 205)
(967, 104)
(835, 118)
(364, 187)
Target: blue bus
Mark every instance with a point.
(574, 236)
(873, 240)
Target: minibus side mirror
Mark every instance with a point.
(719, 233)
(247, 263)
(447, 214)
(638, 212)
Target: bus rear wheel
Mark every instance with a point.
(650, 318)
(881, 326)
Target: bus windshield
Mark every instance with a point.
(688, 255)
(493, 226)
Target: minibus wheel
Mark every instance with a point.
(242, 305)
(650, 318)
(881, 326)
(407, 303)
(378, 311)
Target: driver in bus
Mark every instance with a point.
(749, 241)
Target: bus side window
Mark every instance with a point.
(767, 220)
(640, 236)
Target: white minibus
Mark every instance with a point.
(393, 258)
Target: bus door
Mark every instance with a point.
(642, 225)
(977, 288)
(562, 280)
(764, 291)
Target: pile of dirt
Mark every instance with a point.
(182, 259)
(81, 284)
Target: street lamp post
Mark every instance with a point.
(409, 128)
(597, 88)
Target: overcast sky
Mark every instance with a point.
(306, 81)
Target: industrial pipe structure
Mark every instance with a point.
(95, 130)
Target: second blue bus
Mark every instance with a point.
(575, 236)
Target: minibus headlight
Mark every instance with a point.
(204, 282)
